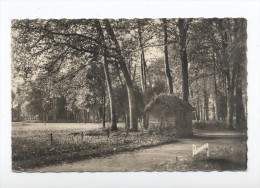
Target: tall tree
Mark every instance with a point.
(183, 25)
(129, 84)
(166, 58)
(143, 70)
(238, 57)
(104, 50)
(230, 66)
(143, 61)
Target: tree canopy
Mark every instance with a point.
(119, 65)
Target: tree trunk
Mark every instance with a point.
(84, 115)
(88, 115)
(143, 74)
(245, 105)
(206, 105)
(185, 76)
(130, 89)
(104, 110)
(198, 107)
(216, 107)
(201, 113)
(93, 116)
(12, 109)
(110, 95)
(107, 75)
(231, 100)
(55, 109)
(132, 109)
(99, 114)
(197, 114)
(143, 62)
(224, 105)
(166, 60)
(214, 111)
(240, 115)
(230, 108)
(134, 74)
(18, 112)
(67, 114)
(47, 116)
(127, 120)
(75, 115)
(241, 35)
(183, 28)
(230, 73)
(109, 113)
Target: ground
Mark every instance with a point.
(227, 152)
(158, 158)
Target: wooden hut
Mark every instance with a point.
(171, 111)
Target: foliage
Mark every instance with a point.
(64, 58)
(122, 103)
(209, 125)
(35, 101)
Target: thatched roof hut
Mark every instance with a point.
(169, 101)
(169, 110)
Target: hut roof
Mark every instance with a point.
(170, 102)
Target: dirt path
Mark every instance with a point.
(149, 159)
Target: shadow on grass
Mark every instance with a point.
(214, 137)
(24, 165)
(226, 165)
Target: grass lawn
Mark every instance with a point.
(32, 146)
(227, 158)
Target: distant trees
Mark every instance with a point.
(88, 62)
(238, 58)
(35, 102)
(17, 101)
(231, 56)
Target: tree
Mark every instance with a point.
(183, 26)
(122, 63)
(89, 62)
(166, 60)
(104, 50)
(35, 102)
(232, 53)
(13, 97)
(19, 100)
(143, 71)
(58, 43)
(238, 58)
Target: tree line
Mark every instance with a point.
(122, 64)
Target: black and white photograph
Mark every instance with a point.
(140, 94)
(130, 94)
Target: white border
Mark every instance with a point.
(130, 9)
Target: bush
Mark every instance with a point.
(210, 125)
(162, 130)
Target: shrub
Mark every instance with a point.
(162, 130)
(210, 125)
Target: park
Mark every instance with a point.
(129, 95)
